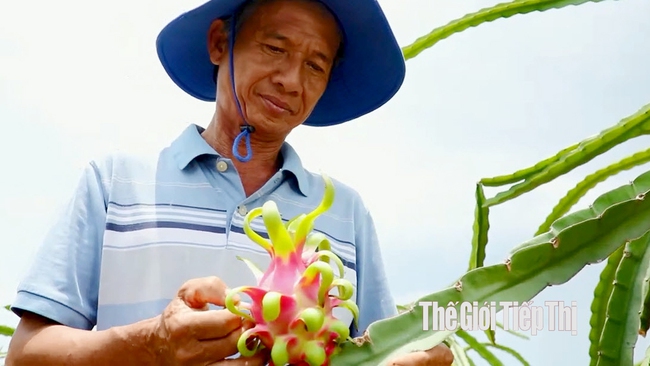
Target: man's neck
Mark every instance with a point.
(254, 173)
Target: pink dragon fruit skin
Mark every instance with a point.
(292, 303)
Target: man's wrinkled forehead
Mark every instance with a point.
(258, 7)
(252, 7)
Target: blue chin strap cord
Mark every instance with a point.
(246, 129)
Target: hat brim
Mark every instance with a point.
(370, 73)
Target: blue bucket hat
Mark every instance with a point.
(368, 75)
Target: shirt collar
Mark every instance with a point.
(293, 164)
(190, 145)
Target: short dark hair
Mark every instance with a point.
(245, 11)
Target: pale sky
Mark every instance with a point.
(80, 79)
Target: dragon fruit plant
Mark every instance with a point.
(292, 304)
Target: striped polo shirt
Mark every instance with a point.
(138, 227)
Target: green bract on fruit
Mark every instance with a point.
(292, 303)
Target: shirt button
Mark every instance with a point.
(222, 166)
(242, 210)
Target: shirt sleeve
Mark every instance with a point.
(374, 298)
(62, 282)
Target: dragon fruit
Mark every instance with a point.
(293, 302)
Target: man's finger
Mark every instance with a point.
(199, 292)
(212, 324)
(219, 348)
(412, 359)
(439, 355)
(442, 354)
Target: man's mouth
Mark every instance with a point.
(276, 103)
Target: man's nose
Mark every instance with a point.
(289, 76)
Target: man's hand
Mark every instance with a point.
(439, 355)
(190, 334)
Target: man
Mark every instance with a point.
(148, 246)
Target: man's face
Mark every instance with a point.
(283, 56)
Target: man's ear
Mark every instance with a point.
(217, 41)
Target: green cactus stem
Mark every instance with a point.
(584, 237)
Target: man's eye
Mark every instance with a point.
(315, 66)
(274, 49)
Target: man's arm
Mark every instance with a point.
(184, 334)
(40, 341)
(57, 299)
(57, 303)
(62, 282)
(374, 297)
